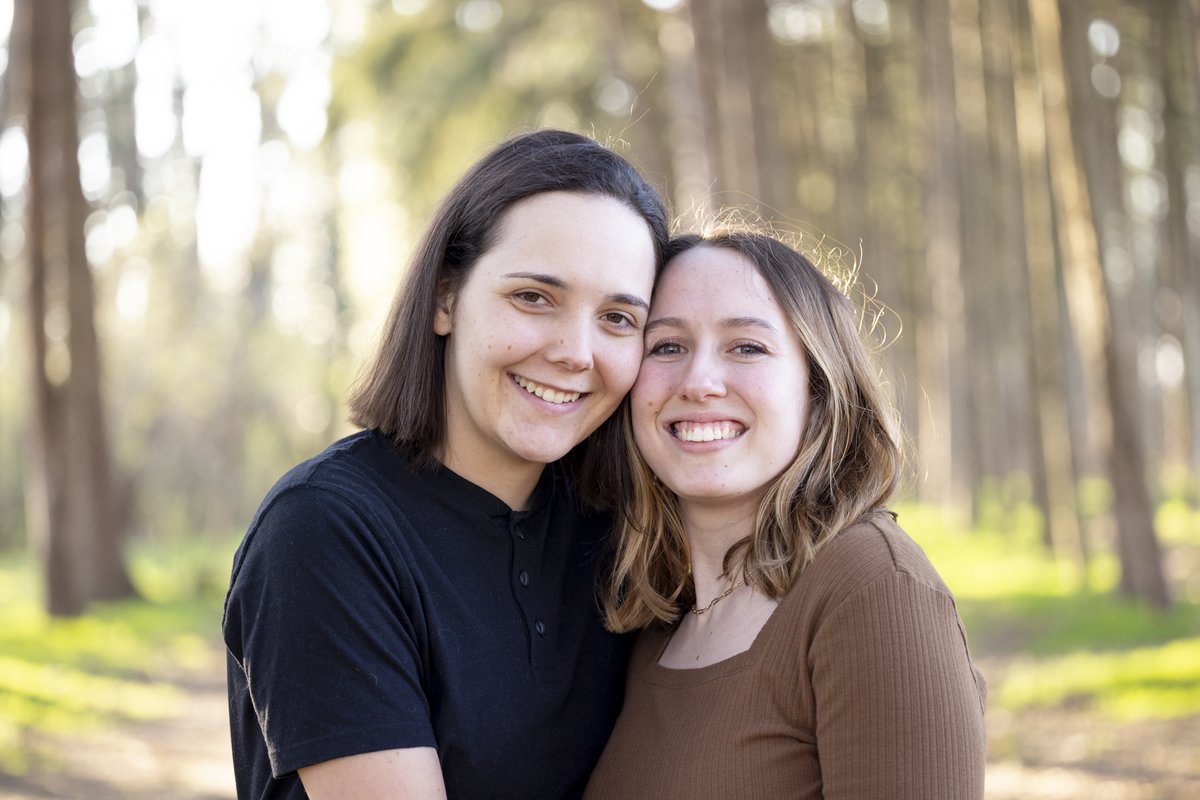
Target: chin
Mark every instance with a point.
(706, 492)
(544, 453)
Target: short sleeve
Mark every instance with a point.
(899, 705)
(327, 627)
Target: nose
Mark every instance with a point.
(570, 346)
(702, 378)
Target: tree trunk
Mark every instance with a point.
(942, 434)
(649, 119)
(988, 451)
(1182, 151)
(707, 57)
(885, 175)
(1113, 425)
(1051, 429)
(71, 497)
(687, 122)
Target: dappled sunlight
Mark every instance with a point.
(1145, 683)
(1075, 674)
(126, 701)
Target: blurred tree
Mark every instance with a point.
(1113, 422)
(942, 332)
(70, 500)
(1176, 36)
(444, 81)
(1055, 467)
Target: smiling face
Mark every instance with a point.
(545, 335)
(720, 404)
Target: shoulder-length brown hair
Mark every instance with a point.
(402, 391)
(848, 464)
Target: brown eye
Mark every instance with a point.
(619, 319)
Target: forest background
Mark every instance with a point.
(206, 207)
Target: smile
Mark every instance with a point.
(545, 392)
(706, 431)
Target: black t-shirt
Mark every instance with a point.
(374, 607)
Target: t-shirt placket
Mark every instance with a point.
(527, 586)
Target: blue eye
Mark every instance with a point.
(749, 349)
(667, 348)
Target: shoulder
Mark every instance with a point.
(873, 548)
(337, 495)
(343, 465)
(355, 472)
(863, 563)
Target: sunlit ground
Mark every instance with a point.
(1090, 697)
(125, 702)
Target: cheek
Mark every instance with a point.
(652, 387)
(646, 400)
(644, 426)
(621, 362)
(789, 410)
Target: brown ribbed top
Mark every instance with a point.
(859, 686)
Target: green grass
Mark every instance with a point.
(1145, 683)
(119, 661)
(1058, 637)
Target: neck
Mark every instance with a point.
(710, 530)
(512, 483)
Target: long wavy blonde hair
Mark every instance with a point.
(848, 464)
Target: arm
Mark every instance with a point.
(326, 631)
(899, 705)
(412, 773)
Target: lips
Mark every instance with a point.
(547, 393)
(711, 431)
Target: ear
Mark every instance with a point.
(443, 316)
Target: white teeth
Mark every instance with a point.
(549, 395)
(706, 431)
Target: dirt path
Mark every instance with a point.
(182, 756)
(186, 758)
(1062, 754)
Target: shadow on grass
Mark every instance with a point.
(1048, 625)
(128, 661)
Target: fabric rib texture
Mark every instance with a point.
(859, 686)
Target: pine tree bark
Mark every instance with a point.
(988, 452)
(1113, 422)
(1182, 151)
(70, 496)
(943, 439)
(1054, 465)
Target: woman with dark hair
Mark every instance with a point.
(412, 612)
(795, 641)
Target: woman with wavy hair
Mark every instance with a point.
(795, 642)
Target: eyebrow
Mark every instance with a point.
(728, 322)
(559, 283)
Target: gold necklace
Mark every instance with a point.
(720, 597)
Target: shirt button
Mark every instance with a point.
(523, 578)
(540, 627)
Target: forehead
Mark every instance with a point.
(578, 238)
(712, 282)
